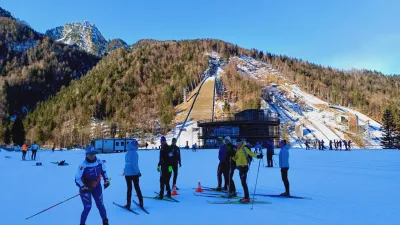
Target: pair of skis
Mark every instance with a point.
(283, 196)
(130, 210)
(222, 194)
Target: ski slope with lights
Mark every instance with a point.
(356, 187)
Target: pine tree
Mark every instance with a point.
(388, 129)
(18, 132)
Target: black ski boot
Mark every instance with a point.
(105, 222)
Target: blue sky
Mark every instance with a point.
(343, 34)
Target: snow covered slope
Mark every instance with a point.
(318, 119)
(357, 187)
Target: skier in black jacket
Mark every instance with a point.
(231, 165)
(165, 167)
(177, 160)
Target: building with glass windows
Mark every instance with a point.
(251, 125)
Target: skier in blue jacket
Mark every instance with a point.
(132, 173)
(284, 165)
(87, 178)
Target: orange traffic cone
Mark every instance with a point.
(199, 187)
(174, 192)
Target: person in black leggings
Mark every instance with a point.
(132, 173)
(177, 160)
(284, 165)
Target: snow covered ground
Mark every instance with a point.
(357, 187)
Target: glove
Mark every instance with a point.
(170, 169)
(180, 165)
(84, 190)
(260, 156)
(159, 168)
(106, 184)
(139, 175)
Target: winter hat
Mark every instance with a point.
(133, 145)
(228, 138)
(220, 139)
(163, 139)
(174, 140)
(90, 149)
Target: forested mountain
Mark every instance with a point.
(136, 89)
(33, 67)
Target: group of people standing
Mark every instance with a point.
(93, 169)
(34, 147)
(337, 144)
(239, 156)
(231, 157)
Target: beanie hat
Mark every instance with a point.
(163, 139)
(90, 149)
(220, 139)
(228, 138)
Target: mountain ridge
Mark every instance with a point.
(86, 36)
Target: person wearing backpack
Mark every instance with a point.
(243, 158)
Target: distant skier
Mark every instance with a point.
(350, 144)
(87, 178)
(24, 151)
(345, 145)
(307, 145)
(35, 148)
(132, 173)
(54, 147)
(322, 144)
(166, 160)
(147, 145)
(177, 161)
(270, 153)
(258, 148)
(340, 145)
(242, 160)
(222, 166)
(194, 147)
(319, 145)
(230, 165)
(284, 165)
(330, 144)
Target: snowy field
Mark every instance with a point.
(357, 187)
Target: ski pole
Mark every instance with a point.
(254, 195)
(273, 160)
(52, 206)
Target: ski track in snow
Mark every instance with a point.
(356, 187)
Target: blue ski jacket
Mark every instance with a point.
(284, 157)
(131, 161)
(90, 173)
